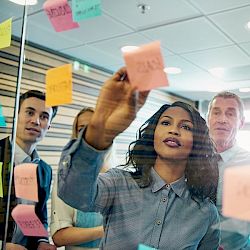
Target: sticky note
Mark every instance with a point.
(27, 220)
(144, 247)
(60, 15)
(84, 9)
(2, 121)
(1, 180)
(236, 192)
(59, 85)
(5, 33)
(145, 67)
(25, 180)
(1, 110)
(228, 224)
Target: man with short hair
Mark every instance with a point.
(225, 118)
(34, 120)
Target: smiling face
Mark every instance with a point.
(224, 121)
(34, 120)
(173, 137)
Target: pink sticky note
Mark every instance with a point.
(145, 67)
(60, 15)
(25, 180)
(236, 192)
(27, 220)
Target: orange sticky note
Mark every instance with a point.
(27, 220)
(25, 180)
(60, 15)
(236, 193)
(5, 33)
(59, 85)
(145, 67)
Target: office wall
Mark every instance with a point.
(86, 87)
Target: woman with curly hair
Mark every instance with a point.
(164, 198)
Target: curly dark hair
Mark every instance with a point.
(202, 166)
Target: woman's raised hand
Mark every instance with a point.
(116, 108)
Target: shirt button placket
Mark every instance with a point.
(159, 219)
(158, 222)
(164, 199)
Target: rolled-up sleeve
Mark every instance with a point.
(62, 215)
(78, 169)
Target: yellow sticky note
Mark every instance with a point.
(1, 181)
(59, 85)
(5, 33)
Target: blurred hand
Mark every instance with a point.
(116, 108)
(12, 246)
(46, 246)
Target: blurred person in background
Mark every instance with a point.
(70, 227)
(225, 119)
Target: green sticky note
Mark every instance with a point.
(144, 247)
(2, 121)
(1, 180)
(84, 9)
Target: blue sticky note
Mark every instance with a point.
(144, 247)
(2, 121)
(84, 9)
(1, 110)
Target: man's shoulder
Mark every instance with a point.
(241, 152)
(44, 173)
(44, 163)
(44, 166)
(240, 156)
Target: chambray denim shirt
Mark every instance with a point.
(162, 216)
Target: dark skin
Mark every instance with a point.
(116, 108)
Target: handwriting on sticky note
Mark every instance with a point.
(27, 220)
(149, 65)
(84, 9)
(236, 192)
(25, 179)
(60, 15)
(5, 33)
(145, 67)
(144, 247)
(59, 85)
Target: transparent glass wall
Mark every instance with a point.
(205, 46)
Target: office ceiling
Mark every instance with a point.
(195, 35)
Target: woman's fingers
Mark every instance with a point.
(120, 74)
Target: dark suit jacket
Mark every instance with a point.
(44, 177)
(44, 182)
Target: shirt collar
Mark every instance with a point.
(177, 186)
(22, 157)
(229, 153)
